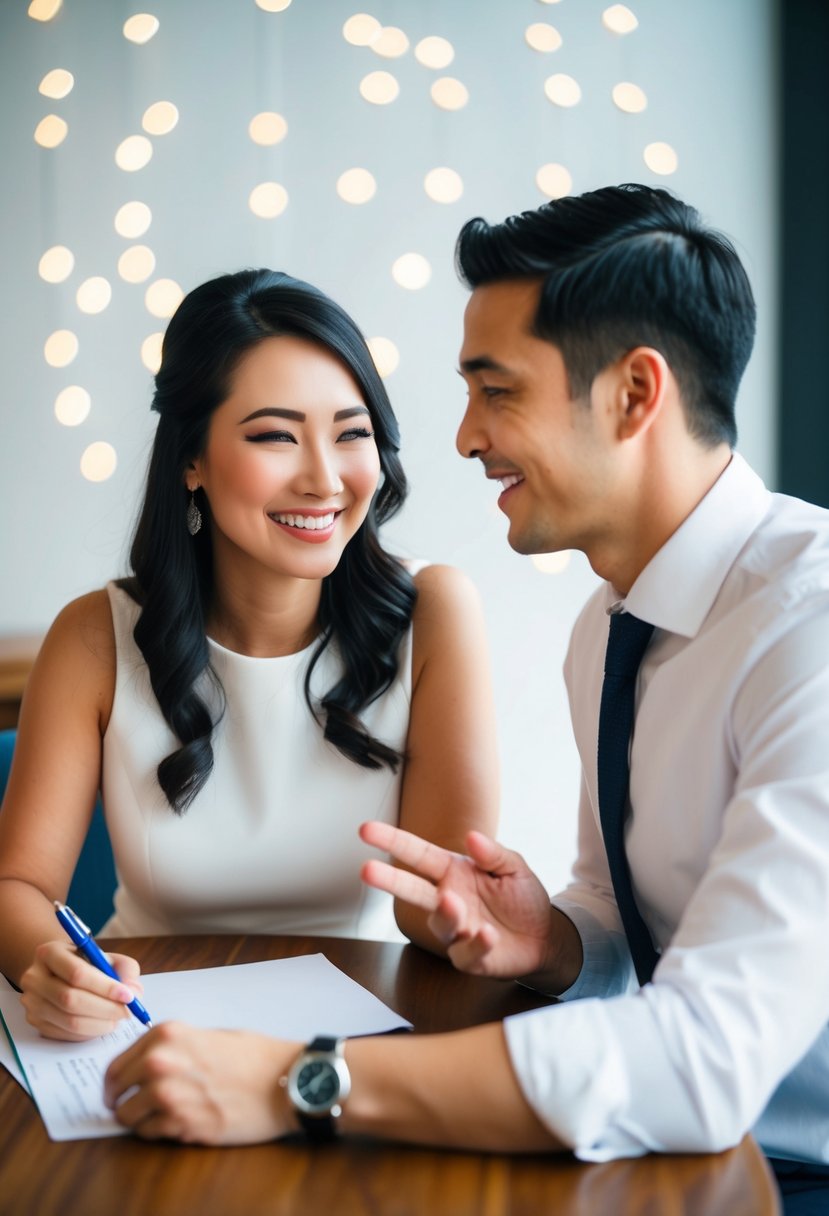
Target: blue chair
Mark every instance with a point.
(93, 883)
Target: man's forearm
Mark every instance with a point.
(454, 1090)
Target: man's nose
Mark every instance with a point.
(471, 438)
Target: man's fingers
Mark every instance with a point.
(402, 884)
(490, 856)
(471, 954)
(448, 922)
(429, 860)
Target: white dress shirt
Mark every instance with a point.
(728, 843)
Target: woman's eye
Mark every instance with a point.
(271, 437)
(355, 432)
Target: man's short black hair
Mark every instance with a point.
(629, 266)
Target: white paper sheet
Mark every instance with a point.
(292, 998)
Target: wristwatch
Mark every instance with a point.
(317, 1084)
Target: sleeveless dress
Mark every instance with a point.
(270, 843)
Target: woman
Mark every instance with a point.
(267, 679)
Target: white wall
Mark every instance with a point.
(706, 68)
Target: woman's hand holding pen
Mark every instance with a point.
(65, 997)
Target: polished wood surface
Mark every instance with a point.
(127, 1177)
(17, 654)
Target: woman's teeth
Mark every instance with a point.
(314, 523)
(511, 480)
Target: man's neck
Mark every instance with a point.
(664, 498)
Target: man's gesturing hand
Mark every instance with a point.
(488, 908)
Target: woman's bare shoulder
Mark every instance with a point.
(85, 624)
(77, 660)
(445, 588)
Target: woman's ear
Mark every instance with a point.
(191, 478)
(642, 380)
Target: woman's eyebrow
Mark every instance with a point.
(275, 411)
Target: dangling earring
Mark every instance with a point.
(193, 515)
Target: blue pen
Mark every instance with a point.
(89, 948)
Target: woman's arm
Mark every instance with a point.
(450, 781)
(46, 812)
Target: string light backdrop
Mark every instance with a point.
(146, 149)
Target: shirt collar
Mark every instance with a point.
(678, 586)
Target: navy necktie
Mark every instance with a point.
(626, 645)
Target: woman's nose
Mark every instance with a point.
(320, 475)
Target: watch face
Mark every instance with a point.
(318, 1084)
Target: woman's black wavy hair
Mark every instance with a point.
(367, 601)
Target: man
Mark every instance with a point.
(604, 342)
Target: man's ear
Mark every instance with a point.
(641, 381)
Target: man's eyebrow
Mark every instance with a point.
(482, 363)
(276, 411)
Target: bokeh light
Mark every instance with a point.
(443, 185)
(93, 295)
(356, 186)
(562, 90)
(56, 264)
(411, 271)
(434, 52)
(136, 264)
(163, 297)
(151, 352)
(554, 180)
(379, 88)
(273, 6)
(385, 354)
(140, 28)
(160, 118)
(72, 405)
(268, 200)
(619, 19)
(391, 42)
(361, 29)
(51, 131)
(133, 220)
(98, 461)
(661, 158)
(449, 94)
(57, 84)
(542, 37)
(629, 97)
(267, 128)
(60, 348)
(44, 10)
(552, 563)
(133, 153)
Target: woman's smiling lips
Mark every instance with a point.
(312, 527)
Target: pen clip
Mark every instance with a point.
(73, 918)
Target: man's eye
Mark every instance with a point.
(271, 437)
(492, 390)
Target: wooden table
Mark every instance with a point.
(17, 654)
(127, 1177)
